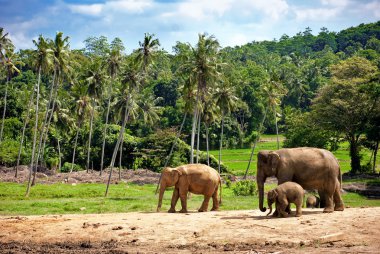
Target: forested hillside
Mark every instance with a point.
(66, 108)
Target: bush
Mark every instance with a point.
(52, 162)
(9, 152)
(67, 166)
(245, 188)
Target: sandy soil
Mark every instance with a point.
(356, 230)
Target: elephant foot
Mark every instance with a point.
(171, 210)
(328, 210)
(215, 209)
(298, 214)
(202, 210)
(183, 211)
(339, 208)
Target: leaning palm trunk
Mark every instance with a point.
(207, 146)
(75, 147)
(59, 156)
(89, 138)
(120, 155)
(193, 130)
(199, 128)
(126, 113)
(4, 110)
(26, 120)
(221, 144)
(171, 149)
(374, 156)
(254, 145)
(275, 120)
(34, 137)
(104, 136)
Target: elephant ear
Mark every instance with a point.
(180, 170)
(274, 159)
(272, 195)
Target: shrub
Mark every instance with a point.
(245, 188)
(52, 162)
(67, 166)
(9, 152)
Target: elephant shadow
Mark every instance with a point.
(264, 217)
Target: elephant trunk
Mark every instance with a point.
(260, 185)
(162, 190)
(270, 208)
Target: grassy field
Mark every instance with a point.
(237, 159)
(89, 198)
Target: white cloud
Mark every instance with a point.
(373, 7)
(340, 3)
(200, 10)
(131, 6)
(87, 9)
(318, 14)
(272, 9)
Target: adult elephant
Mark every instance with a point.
(312, 168)
(194, 178)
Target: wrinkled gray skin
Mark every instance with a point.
(194, 178)
(312, 202)
(283, 195)
(312, 168)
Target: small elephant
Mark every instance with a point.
(283, 195)
(312, 202)
(194, 178)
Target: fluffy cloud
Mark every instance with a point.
(87, 9)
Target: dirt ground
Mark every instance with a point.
(355, 230)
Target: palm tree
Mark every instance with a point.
(10, 61)
(147, 51)
(113, 64)
(60, 51)
(131, 80)
(5, 44)
(43, 57)
(209, 115)
(95, 80)
(225, 99)
(201, 67)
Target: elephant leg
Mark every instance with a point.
(287, 209)
(215, 202)
(338, 202)
(298, 208)
(329, 208)
(174, 200)
(322, 199)
(183, 197)
(204, 204)
(281, 207)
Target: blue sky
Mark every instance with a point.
(232, 22)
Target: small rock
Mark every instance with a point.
(117, 228)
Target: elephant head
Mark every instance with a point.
(272, 196)
(267, 163)
(169, 178)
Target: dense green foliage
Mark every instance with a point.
(319, 90)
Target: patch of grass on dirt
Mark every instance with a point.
(89, 198)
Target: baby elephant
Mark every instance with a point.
(312, 202)
(283, 195)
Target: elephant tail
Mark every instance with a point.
(220, 191)
(340, 178)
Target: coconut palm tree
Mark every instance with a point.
(113, 64)
(226, 100)
(147, 51)
(43, 57)
(95, 79)
(5, 44)
(201, 67)
(10, 62)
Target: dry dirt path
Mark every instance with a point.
(356, 230)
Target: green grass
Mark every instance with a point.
(237, 159)
(69, 199)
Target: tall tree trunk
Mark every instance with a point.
(193, 129)
(275, 120)
(171, 149)
(199, 130)
(254, 145)
(374, 156)
(26, 120)
(4, 109)
(207, 146)
(120, 155)
(126, 113)
(89, 137)
(104, 136)
(59, 156)
(221, 143)
(75, 147)
(34, 137)
(354, 153)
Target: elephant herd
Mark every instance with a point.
(296, 169)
